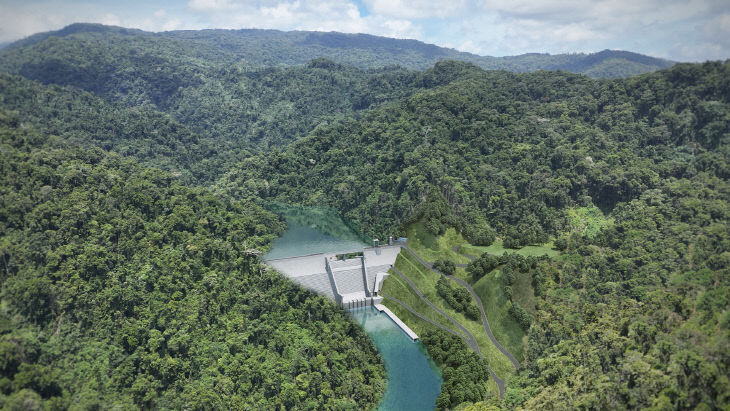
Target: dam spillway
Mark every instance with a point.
(340, 279)
(348, 277)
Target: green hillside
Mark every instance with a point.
(513, 151)
(136, 166)
(123, 289)
(35, 55)
(643, 300)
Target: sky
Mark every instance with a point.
(682, 30)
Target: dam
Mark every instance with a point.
(352, 278)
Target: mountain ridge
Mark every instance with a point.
(268, 47)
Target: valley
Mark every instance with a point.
(566, 219)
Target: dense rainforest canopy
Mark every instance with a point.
(139, 284)
(121, 288)
(509, 150)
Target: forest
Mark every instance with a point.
(134, 194)
(39, 54)
(123, 288)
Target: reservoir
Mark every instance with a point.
(413, 379)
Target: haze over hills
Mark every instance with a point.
(254, 47)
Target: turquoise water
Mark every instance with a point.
(303, 240)
(413, 383)
(413, 379)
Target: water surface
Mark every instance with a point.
(413, 382)
(303, 240)
(312, 230)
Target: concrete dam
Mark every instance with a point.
(352, 279)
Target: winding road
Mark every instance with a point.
(456, 250)
(430, 304)
(480, 305)
(419, 315)
(470, 340)
(485, 322)
(479, 302)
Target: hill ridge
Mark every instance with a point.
(270, 47)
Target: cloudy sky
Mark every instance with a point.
(684, 30)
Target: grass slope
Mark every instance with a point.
(432, 248)
(496, 305)
(588, 220)
(425, 280)
(497, 249)
(489, 288)
(398, 288)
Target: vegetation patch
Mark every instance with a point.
(458, 298)
(497, 248)
(396, 287)
(505, 328)
(122, 288)
(435, 247)
(464, 372)
(587, 220)
(128, 287)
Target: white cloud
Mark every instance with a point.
(717, 30)
(172, 24)
(401, 29)
(418, 9)
(16, 22)
(469, 46)
(508, 27)
(110, 19)
(207, 5)
(318, 15)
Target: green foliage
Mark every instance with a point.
(520, 315)
(121, 288)
(478, 233)
(639, 303)
(524, 234)
(464, 373)
(432, 248)
(445, 266)
(505, 328)
(482, 265)
(426, 281)
(508, 292)
(587, 220)
(458, 298)
(200, 130)
(436, 214)
(515, 149)
(651, 152)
